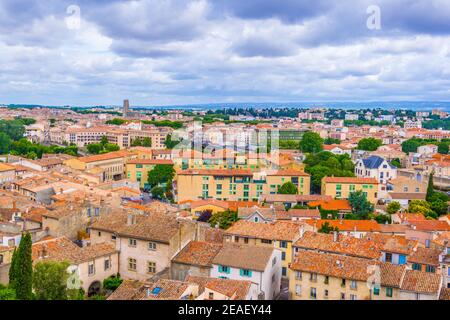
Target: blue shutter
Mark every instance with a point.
(401, 259)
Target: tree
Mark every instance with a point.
(136, 142)
(443, 147)
(94, 148)
(288, 188)
(13, 269)
(430, 188)
(109, 147)
(393, 207)
(50, 280)
(327, 228)
(169, 143)
(147, 142)
(423, 207)
(361, 207)
(23, 269)
(396, 162)
(369, 144)
(112, 283)
(7, 293)
(13, 128)
(5, 143)
(223, 219)
(332, 141)
(311, 142)
(157, 192)
(161, 173)
(104, 140)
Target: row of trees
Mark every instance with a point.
(412, 144)
(103, 147)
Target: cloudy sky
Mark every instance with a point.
(162, 52)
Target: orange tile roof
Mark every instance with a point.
(348, 225)
(278, 230)
(425, 256)
(347, 245)
(337, 204)
(430, 225)
(105, 156)
(424, 282)
(236, 289)
(353, 180)
(198, 253)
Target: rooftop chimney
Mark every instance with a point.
(131, 219)
(335, 236)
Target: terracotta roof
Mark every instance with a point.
(425, 256)
(105, 156)
(198, 253)
(212, 202)
(154, 227)
(350, 180)
(305, 213)
(266, 213)
(430, 225)
(348, 225)
(62, 249)
(339, 204)
(391, 274)
(244, 256)
(442, 238)
(277, 230)
(347, 245)
(423, 282)
(128, 290)
(162, 289)
(407, 195)
(236, 289)
(5, 167)
(400, 245)
(333, 265)
(445, 294)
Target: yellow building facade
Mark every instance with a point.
(341, 187)
(237, 184)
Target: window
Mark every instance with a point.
(298, 290)
(132, 242)
(325, 294)
(89, 213)
(224, 269)
(376, 291)
(343, 283)
(152, 246)
(131, 264)
(431, 269)
(107, 263)
(211, 296)
(91, 268)
(388, 257)
(313, 293)
(283, 244)
(245, 273)
(283, 271)
(327, 280)
(99, 234)
(97, 212)
(353, 297)
(353, 285)
(266, 241)
(283, 256)
(256, 219)
(313, 277)
(401, 259)
(236, 239)
(151, 267)
(405, 189)
(342, 296)
(389, 292)
(417, 266)
(298, 275)
(113, 237)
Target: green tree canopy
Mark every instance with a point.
(223, 219)
(311, 142)
(158, 192)
(5, 143)
(94, 148)
(369, 144)
(430, 188)
(288, 188)
(161, 173)
(327, 228)
(393, 207)
(361, 207)
(147, 142)
(23, 269)
(332, 141)
(50, 280)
